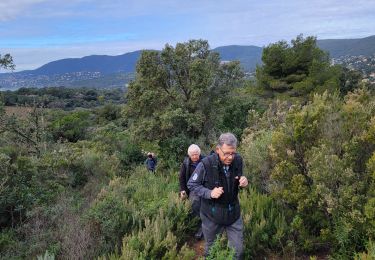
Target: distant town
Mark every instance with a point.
(13, 81)
(32, 80)
(364, 64)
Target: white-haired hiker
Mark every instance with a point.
(186, 170)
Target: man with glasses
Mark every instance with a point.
(217, 180)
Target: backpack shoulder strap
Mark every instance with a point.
(187, 168)
(210, 164)
(238, 165)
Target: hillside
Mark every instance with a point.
(115, 71)
(348, 47)
(249, 56)
(95, 63)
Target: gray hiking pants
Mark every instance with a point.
(234, 233)
(195, 203)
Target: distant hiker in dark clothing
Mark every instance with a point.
(217, 180)
(186, 170)
(151, 162)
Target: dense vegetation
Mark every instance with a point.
(63, 98)
(72, 183)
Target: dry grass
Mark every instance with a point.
(20, 112)
(63, 226)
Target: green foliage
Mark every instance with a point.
(115, 218)
(7, 240)
(62, 97)
(113, 140)
(220, 250)
(311, 164)
(19, 188)
(27, 132)
(6, 62)
(129, 153)
(29, 181)
(265, 224)
(2, 112)
(176, 93)
(369, 254)
(160, 238)
(315, 160)
(71, 127)
(108, 112)
(349, 80)
(75, 164)
(154, 241)
(255, 153)
(173, 149)
(300, 68)
(234, 111)
(132, 207)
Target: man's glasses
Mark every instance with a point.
(226, 155)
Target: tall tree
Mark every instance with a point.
(293, 66)
(6, 62)
(178, 90)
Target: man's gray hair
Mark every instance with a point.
(194, 148)
(228, 139)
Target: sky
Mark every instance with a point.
(36, 32)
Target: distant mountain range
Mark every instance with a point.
(116, 71)
(249, 56)
(349, 47)
(95, 63)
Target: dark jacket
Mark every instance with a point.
(210, 174)
(151, 163)
(186, 170)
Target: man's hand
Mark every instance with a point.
(243, 182)
(183, 195)
(216, 192)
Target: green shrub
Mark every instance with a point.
(19, 188)
(71, 127)
(220, 250)
(315, 162)
(265, 225)
(115, 216)
(109, 112)
(125, 205)
(173, 150)
(8, 241)
(113, 140)
(369, 254)
(129, 153)
(155, 241)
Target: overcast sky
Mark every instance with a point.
(35, 32)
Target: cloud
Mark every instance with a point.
(10, 9)
(37, 31)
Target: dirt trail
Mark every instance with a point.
(198, 247)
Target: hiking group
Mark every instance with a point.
(212, 184)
